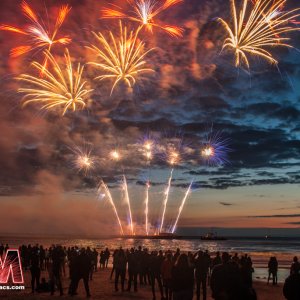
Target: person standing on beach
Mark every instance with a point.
(120, 269)
(291, 288)
(132, 270)
(95, 260)
(81, 270)
(273, 269)
(166, 273)
(295, 267)
(113, 263)
(35, 269)
(57, 257)
(217, 260)
(202, 264)
(155, 263)
(182, 279)
(106, 255)
(226, 281)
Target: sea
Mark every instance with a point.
(260, 249)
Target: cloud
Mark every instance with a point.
(277, 216)
(226, 203)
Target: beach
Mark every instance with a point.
(103, 288)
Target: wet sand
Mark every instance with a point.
(102, 287)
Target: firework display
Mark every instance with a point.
(255, 30)
(121, 58)
(38, 36)
(144, 12)
(59, 87)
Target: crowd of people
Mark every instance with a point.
(171, 275)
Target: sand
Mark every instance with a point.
(103, 288)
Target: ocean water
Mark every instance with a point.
(258, 248)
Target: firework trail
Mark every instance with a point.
(254, 32)
(182, 206)
(144, 12)
(167, 192)
(147, 207)
(61, 88)
(122, 58)
(39, 37)
(127, 199)
(147, 151)
(108, 194)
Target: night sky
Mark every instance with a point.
(195, 87)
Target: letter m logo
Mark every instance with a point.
(11, 267)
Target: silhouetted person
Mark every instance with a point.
(182, 279)
(113, 263)
(155, 263)
(226, 282)
(102, 260)
(295, 267)
(132, 270)
(246, 270)
(107, 255)
(120, 269)
(95, 260)
(35, 269)
(273, 269)
(74, 270)
(291, 288)
(83, 265)
(202, 264)
(217, 260)
(176, 255)
(166, 273)
(57, 257)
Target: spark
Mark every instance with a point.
(167, 192)
(182, 206)
(115, 155)
(84, 160)
(61, 87)
(215, 149)
(147, 207)
(39, 37)
(173, 158)
(144, 12)
(127, 199)
(253, 33)
(148, 149)
(121, 58)
(110, 198)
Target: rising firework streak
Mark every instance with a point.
(127, 199)
(167, 192)
(182, 206)
(108, 194)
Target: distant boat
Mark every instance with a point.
(212, 237)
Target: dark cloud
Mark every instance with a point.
(277, 216)
(226, 203)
